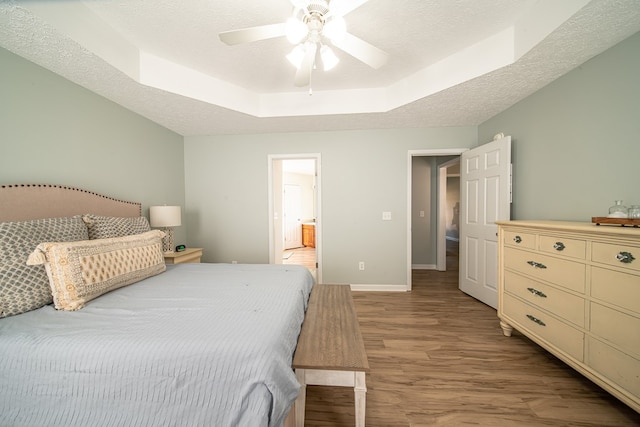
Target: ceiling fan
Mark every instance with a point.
(313, 24)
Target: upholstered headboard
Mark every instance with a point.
(21, 202)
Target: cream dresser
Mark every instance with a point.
(574, 288)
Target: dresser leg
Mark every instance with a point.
(506, 329)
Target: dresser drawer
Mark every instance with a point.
(621, 289)
(618, 255)
(567, 247)
(519, 239)
(560, 303)
(557, 333)
(562, 272)
(617, 366)
(616, 327)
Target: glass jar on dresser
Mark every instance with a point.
(574, 288)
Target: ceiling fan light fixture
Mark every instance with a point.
(296, 56)
(295, 30)
(312, 28)
(329, 58)
(336, 29)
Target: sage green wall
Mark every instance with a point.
(53, 131)
(363, 174)
(576, 142)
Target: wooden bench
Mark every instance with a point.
(330, 348)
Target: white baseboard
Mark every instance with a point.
(378, 287)
(423, 266)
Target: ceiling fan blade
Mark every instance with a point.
(253, 34)
(303, 75)
(342, 7)
(361, 50)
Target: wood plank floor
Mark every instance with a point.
(438, 357)
(302, 256)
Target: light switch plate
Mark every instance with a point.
(386, 216)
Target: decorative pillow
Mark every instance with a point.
(106, 227)
(24, 287)
(81, 271)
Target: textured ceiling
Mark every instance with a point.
(455, 62)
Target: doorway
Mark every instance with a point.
(448, 211)
(435, 214)
(294, 211)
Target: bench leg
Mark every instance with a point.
(354, 379)
(300, 404)
(360, 391)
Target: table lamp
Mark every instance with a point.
(165, 217)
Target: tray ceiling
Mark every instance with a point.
(451, 63)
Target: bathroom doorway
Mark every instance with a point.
(294, 207)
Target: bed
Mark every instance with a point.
(187, 344)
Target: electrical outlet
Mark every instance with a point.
(234, 262)
(361, 265)
(386, 216)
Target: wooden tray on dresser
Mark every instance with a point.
(597, 220)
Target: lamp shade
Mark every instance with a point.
(164, 216)
(295, 30)
(329, 59)
(296, 56)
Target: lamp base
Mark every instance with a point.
(167, 240)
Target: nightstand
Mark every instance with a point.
(189, 255)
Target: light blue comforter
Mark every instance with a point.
(198, 345)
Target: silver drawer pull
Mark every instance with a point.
(517, 239)
(536, 264)
(625, 257)
(559, 246)
(537, 292)
(536, 320)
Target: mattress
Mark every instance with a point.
(198, 345)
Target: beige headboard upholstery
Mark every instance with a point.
(21, 202)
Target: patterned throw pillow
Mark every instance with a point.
(81, 271)
(106, 227)
(26, 287)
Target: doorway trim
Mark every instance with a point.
(273, 245)
(410, 155)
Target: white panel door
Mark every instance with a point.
(292, 211)
(485, 192)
